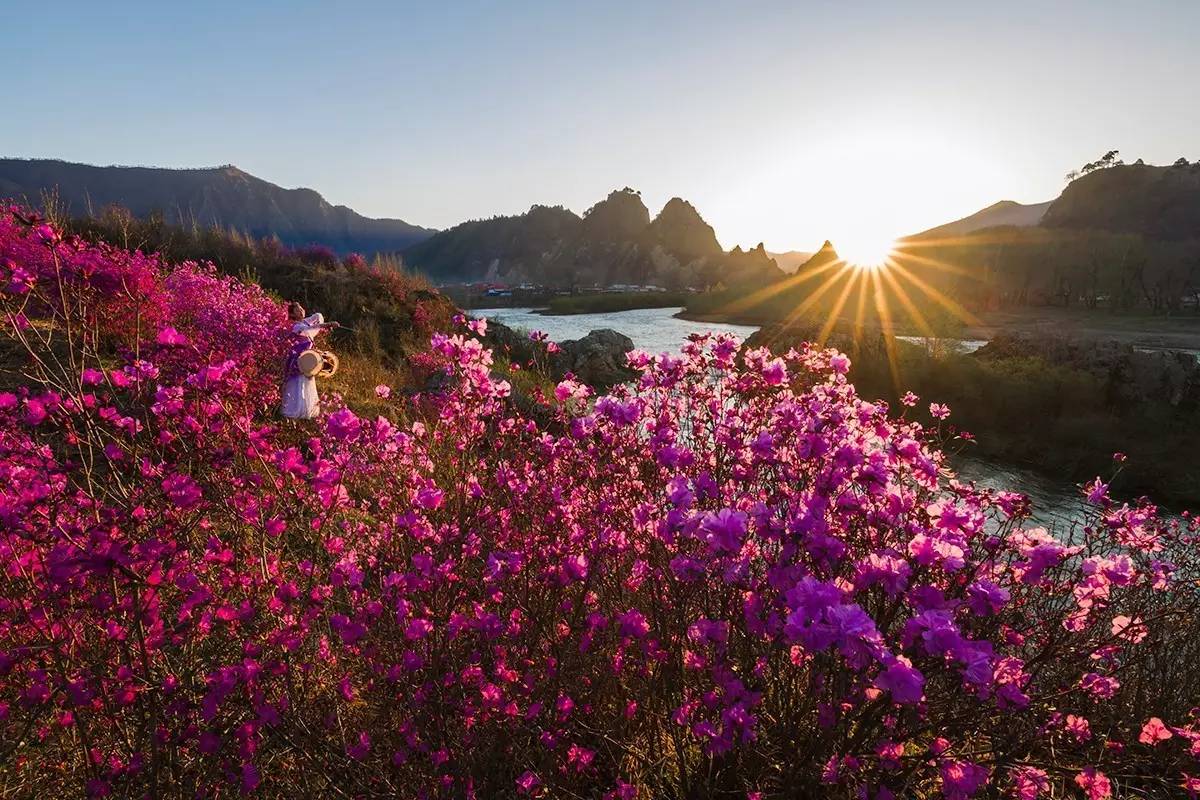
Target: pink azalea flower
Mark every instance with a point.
(1154, 731)
(1094, 783)
(961, 779)
(528, 782)
(1029, 783)
(171, 337)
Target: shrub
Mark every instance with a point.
(733, 576)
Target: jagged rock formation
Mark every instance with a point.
(223, 197)
(614, 242)
(826, 255)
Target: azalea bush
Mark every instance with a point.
(732, 577)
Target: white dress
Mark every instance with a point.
(300, 400)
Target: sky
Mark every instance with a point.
(783, 122)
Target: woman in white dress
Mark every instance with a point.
(300, 400)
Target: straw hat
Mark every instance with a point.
(316, 363)
(329, 366)
(309, 363)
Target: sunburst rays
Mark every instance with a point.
(909, 289)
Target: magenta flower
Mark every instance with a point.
(734, 552)
(1094, 783)
(1029, 783)
(170, 337)
(725, 530)
(961, 779)
(1154, 731)
(343, 424)
(633, 624)
(183, 492)
(774, 372)
(528, 782)
(905, 684)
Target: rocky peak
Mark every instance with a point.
(826, 255)
(619, 217)
(681, 231)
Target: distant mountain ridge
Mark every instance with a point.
(791, 260)
(1003, 214)
(225, 197)
(614, 242)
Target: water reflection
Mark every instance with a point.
(963, 346)
(1055, 504)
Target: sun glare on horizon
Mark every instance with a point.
(866, 252)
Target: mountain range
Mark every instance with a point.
(791, 260)
(614, 242)
(225, 197)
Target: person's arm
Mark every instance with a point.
(317, 320)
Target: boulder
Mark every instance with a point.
(597, 359)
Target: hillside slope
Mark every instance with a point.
(1003, 214)
(225, 197)
(1160, 203)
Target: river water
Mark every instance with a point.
(655, 330)
(658, 330)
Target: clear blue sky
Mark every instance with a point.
(786, 122)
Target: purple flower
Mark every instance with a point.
(343, 424)
(528, 782)
(633, 624)
(182, 491)
(575, 566)
(170, 337)
(984, 597)
(724, 530)
(961, 779)
(905, 683)
(774, 372)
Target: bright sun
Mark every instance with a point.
(866, 252)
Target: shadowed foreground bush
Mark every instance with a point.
(732, 578)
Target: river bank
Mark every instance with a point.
(1143, 331)
(610, 302)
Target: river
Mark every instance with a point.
(658, 330)
(655, 330)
